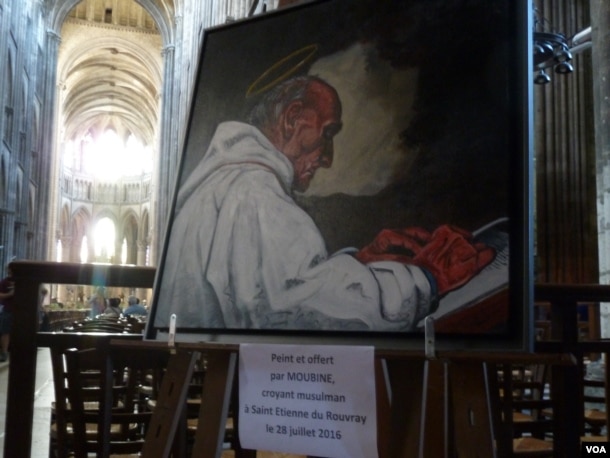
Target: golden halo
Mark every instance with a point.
(268, 79)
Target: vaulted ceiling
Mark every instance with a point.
(110, 70)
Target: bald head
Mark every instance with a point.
(301, 117)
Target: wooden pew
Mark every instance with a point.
(29, 275)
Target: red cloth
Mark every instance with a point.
(452, 257)
(448, 253)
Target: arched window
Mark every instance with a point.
(84, 250)
(103, 239)
(8, 100)
(108, 157)
(124, 252)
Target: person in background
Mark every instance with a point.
(97, 304)
(7, 291)
(43, 318)
(114, 307)
(134, 307)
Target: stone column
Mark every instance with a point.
(167, 156)
(66, 248)
(142, 293)
(48, 200)
(566, 226)
(600, 24)
(61, 291)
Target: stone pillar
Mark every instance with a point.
(61, 291)
(566, 225)
(66, 248)
(167, 156)
(142, 293)
(49, 202)
(600, 25)
(141, 255)
(7, 222)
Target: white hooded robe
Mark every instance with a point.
(242, 254)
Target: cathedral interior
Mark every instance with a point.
(94, 112)
(97, 95)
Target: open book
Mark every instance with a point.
(490, 280)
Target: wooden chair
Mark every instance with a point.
(122, 417)
(194, 403)
(121, 421)
(104, 324)
(61, 429)
(519, 400)
(591, 393)
(596, 405)
(61, 432)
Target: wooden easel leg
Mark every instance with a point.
(384, 409)
(434, 441)
(567, 410)
(216, 397)
(470, 412)
(413, 423)
(239, 452)
(170, 404)
(180, 442)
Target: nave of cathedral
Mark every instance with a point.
(96, 97)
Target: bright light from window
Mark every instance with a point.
(69, 154)
(104, 156)
(103, 237)
(109, 158)
(139, 157)
(124, 252)
(59, 250)
(84, 250)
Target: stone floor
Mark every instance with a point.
(42, 404)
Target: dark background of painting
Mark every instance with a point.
(457, 145)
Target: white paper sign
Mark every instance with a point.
(308, 400)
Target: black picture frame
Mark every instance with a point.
(437, 114)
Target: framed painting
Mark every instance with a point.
(352, 168)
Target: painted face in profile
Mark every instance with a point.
(314, 130)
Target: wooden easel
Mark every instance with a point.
(417, 421)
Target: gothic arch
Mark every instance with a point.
(144, 234)
(105, 213)
(19, 194)
(163, 18)
(35, 127)
(80, 226)
(98, 240)
(135, 81)
(25, 107)
(8, 90)
(129, 233)
(8, 99)
(31, 204)
(153, 130)
(3, 183)
(64, 222)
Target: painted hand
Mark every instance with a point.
(400, 245)
(453, 258)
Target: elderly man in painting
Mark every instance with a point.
(243, 254)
